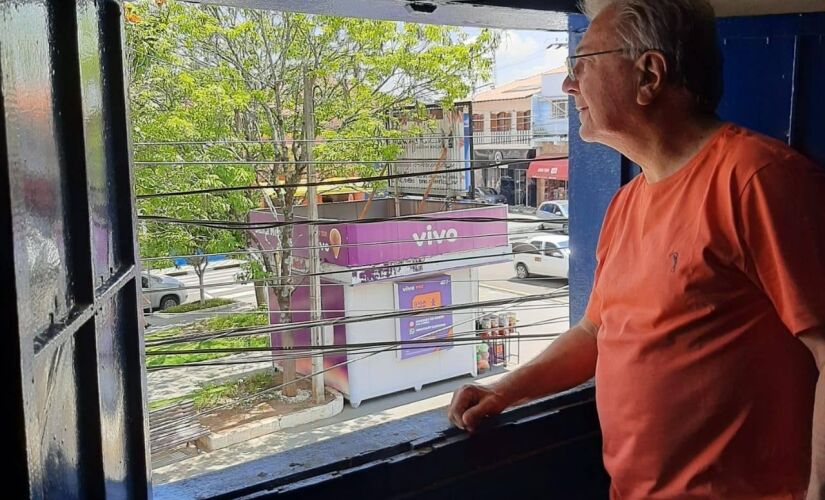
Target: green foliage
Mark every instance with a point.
(179, 359)
(163, 403)
(213, 395)
(224, 75)
(196, 306)
(217, 73)
(216, 323)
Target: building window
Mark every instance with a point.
(436, 113)
(558, 108)
(523, 120)
(501, 122)
(478, 123)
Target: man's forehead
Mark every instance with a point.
(600, 34)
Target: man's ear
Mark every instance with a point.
(652, 70)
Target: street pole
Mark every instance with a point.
(314, 254)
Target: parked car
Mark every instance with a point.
(161, 292)
(554, 215)
(489, 195)
(545, 255)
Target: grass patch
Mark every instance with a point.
(197, 306)
(217, 323)
(214, 395)
(163, 403)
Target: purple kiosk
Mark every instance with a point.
(393, 265)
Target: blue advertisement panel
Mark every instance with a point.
(424, 293)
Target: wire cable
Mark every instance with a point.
(344, 320)
(336, 182)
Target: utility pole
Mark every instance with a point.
(314, 254)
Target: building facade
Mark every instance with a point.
(520, 120)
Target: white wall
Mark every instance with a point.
(551, 85)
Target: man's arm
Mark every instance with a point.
(815, 341)
(567, 362)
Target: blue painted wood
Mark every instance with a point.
(774, 76)
(596, 172)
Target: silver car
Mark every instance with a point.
(161, 292)
(554, 215)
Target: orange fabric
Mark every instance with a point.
(702, 282)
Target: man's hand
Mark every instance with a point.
(473, 403)
(567, 362)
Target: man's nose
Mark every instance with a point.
(569, 86)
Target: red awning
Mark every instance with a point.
(548, 169)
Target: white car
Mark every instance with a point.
(545, 255)
(554, 215)
(161, 292)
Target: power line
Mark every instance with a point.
(308, 351)
(346, 245)
(341, 347)
(344, 320)
(331, 182)
(414, 262)
(253, 282)
(325, 311)
(239, 225)
(299, 162)
(300, 285)
(411, 138)
(298, 379)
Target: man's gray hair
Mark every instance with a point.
(683, 30)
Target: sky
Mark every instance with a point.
(525, 53)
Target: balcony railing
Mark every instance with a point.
(510, 137)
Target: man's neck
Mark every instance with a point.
(662, 147)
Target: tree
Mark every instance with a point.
(225, 73)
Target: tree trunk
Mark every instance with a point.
(199, 265)
(284, 293)
(290, 388)
(260, 296)
(202, 290)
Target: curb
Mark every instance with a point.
(184, 272)
(505, 290)
(241, 433)
(226, 266)
(198, 312)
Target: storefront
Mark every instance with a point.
(394, 265)
(550, 177)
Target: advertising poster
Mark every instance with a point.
(424, 293)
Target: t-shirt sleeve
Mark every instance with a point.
(782, 231)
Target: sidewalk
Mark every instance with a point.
(160, 320)
(373, 411)
(297, 437)
(176, 382)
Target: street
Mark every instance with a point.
(496, 281)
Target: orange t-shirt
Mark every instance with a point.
(703, 281)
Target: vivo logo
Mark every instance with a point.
(431, 236)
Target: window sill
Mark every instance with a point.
(421, 454)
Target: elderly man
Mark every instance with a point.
(705, 329)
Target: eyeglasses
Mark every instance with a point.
(572, 65)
